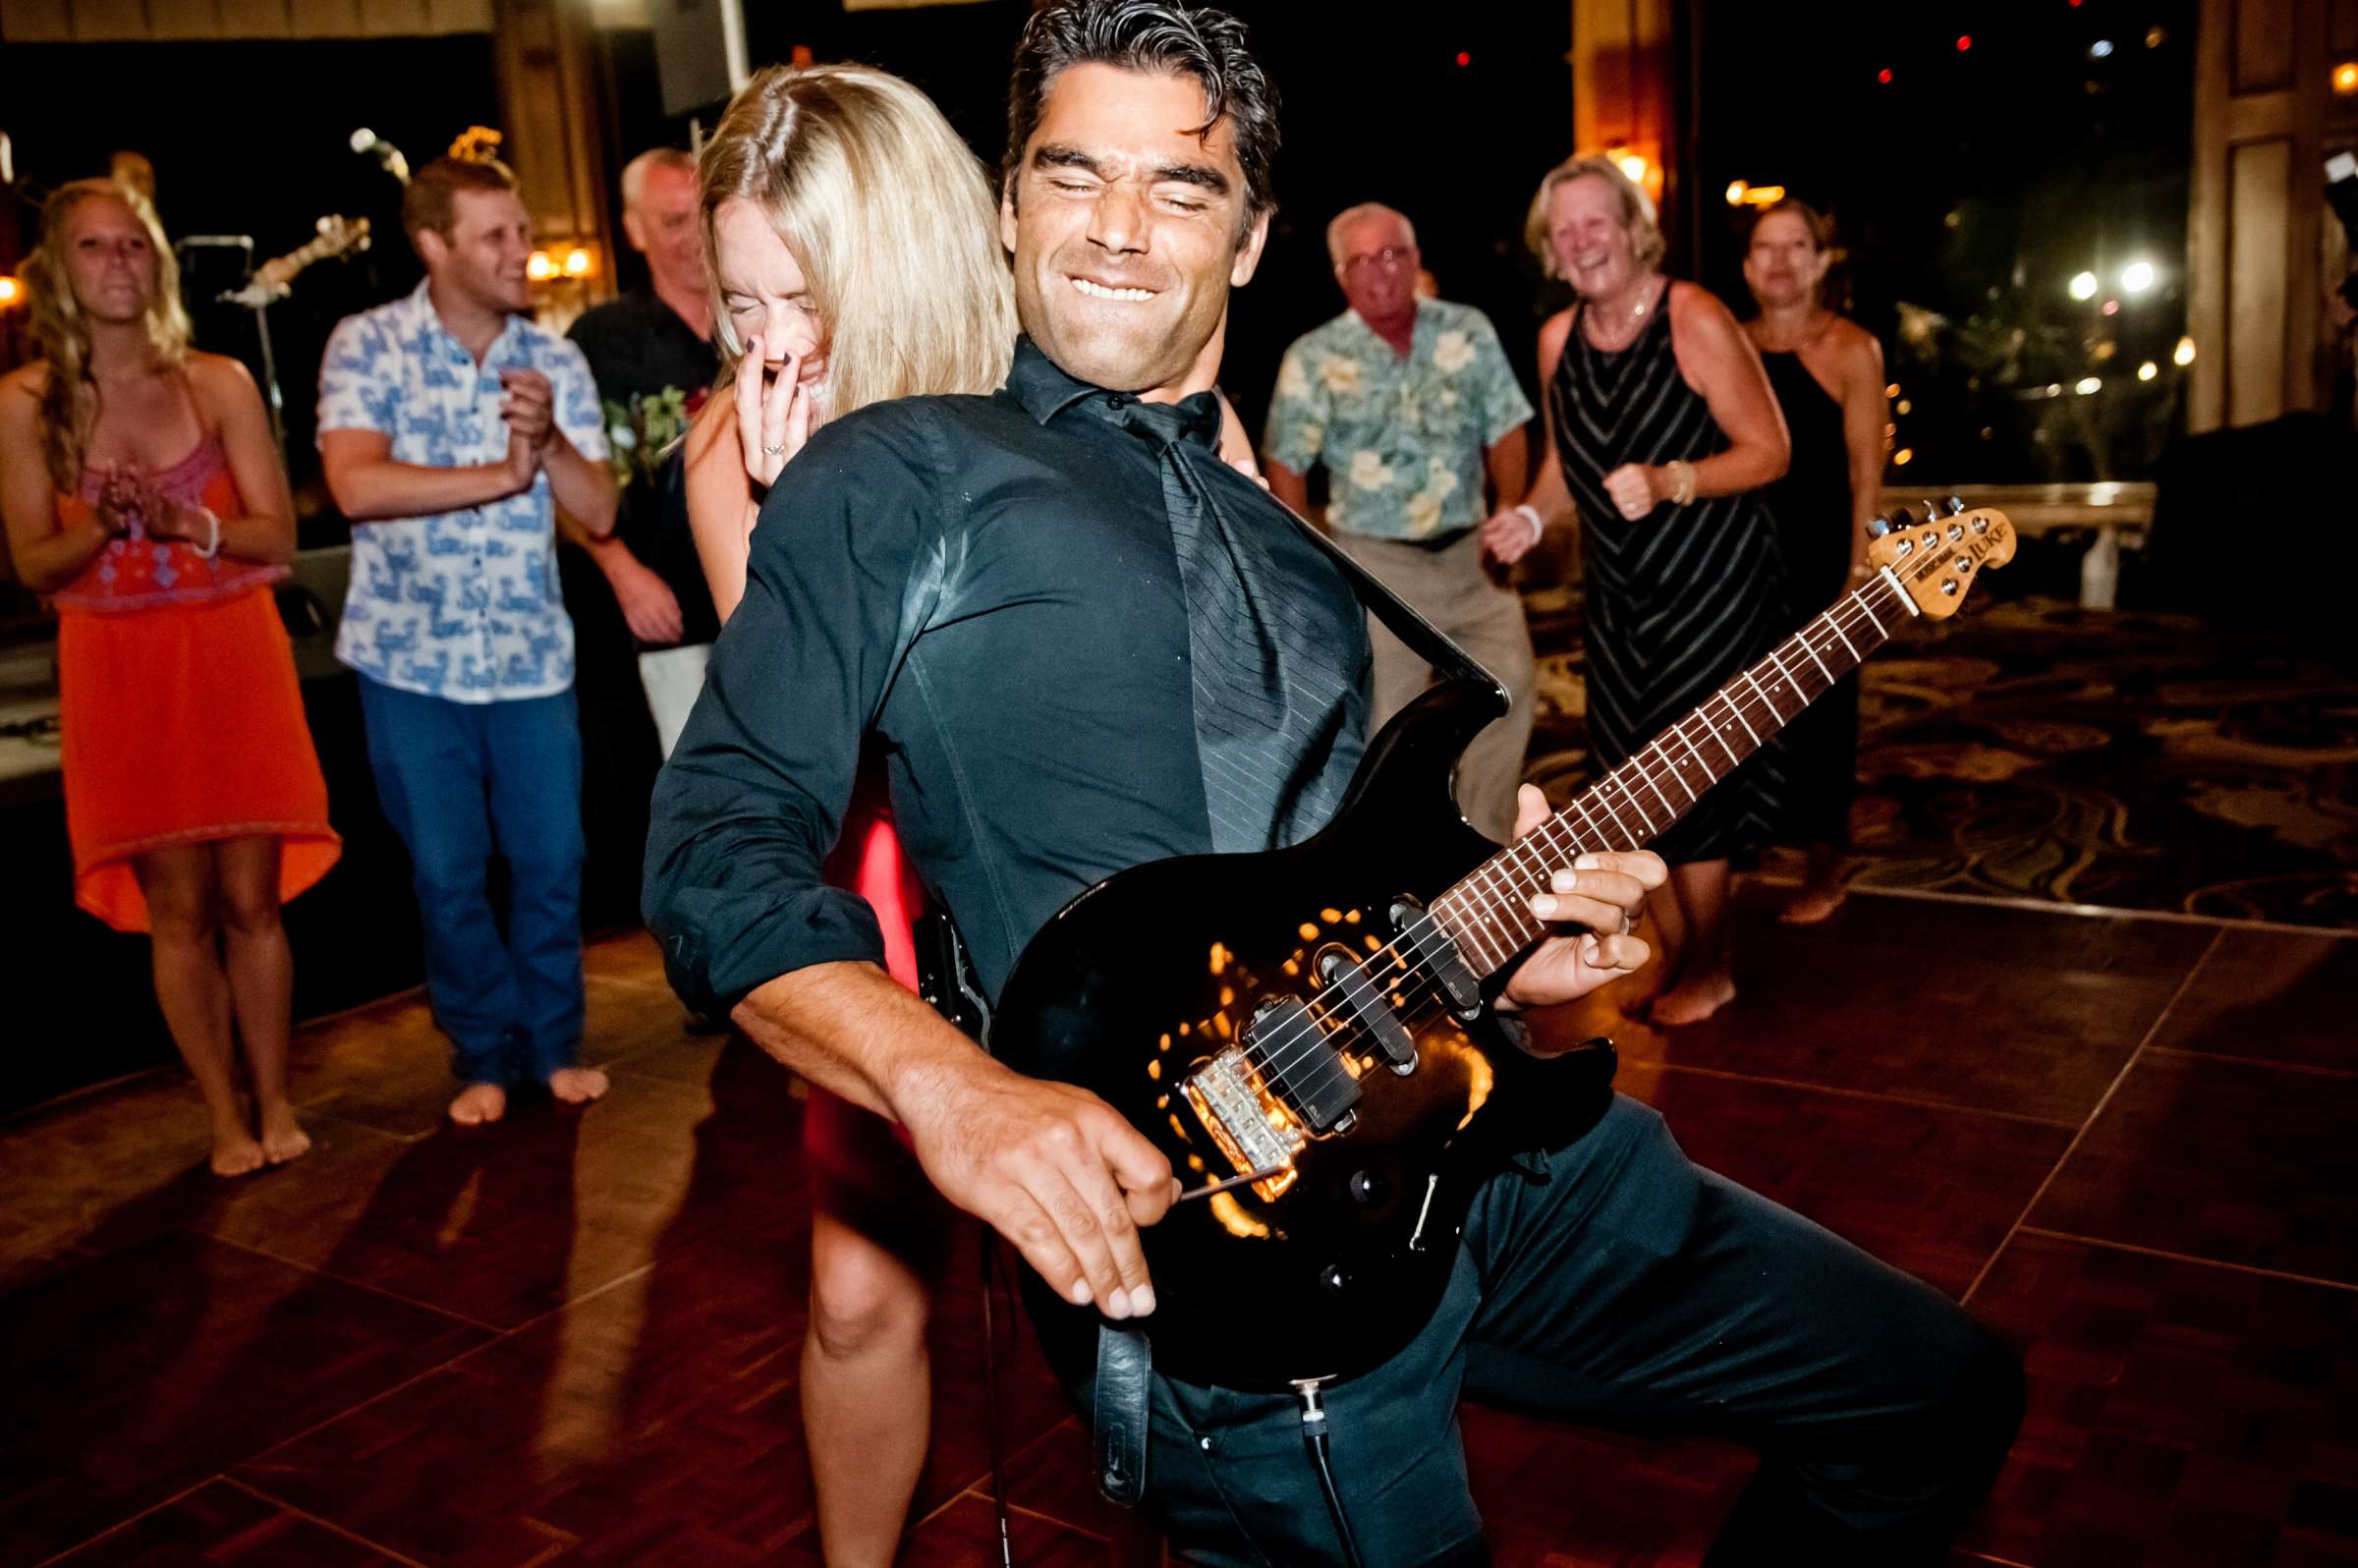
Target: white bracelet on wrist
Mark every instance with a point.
(1531, 515)
(212, 545)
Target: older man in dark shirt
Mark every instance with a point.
(1034, 604)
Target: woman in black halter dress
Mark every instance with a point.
(1829, 376)
(1663, 430)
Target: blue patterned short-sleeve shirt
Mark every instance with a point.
(1403, 440)
(463, 605)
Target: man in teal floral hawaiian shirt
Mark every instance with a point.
(1410, 405)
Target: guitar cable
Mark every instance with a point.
(990, 1394)
(1314, 1439)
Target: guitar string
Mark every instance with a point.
(1309, 1030)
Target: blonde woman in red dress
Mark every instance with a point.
(836, 289)
(142, 492)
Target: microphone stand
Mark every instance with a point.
(273, 400)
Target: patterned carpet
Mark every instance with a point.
(2040, 750)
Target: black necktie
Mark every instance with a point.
(1272, 698)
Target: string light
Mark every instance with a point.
(1465, 57)
(1964, 42)
(1884, 76)
(2100, 49)
(2137, 277)
(580, 263)
(2083, 286)
(2184, 354)
(10, 291)
(1903, 457)
(540, 269)
(2088, 386)
(2148, 370)
(2345, 77)
(1736, 190)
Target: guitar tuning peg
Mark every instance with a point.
(1902, 518)
(1956, 506)
(1877, 527)
(1932, 512)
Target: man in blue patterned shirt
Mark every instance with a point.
(451, 427)
(1410, 405)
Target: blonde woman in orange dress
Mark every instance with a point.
(142, 492)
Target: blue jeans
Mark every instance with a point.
(461, 782)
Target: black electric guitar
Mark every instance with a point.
(1295, 1024)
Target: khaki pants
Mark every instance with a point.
(1449, 587)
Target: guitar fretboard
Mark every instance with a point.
(1487, 914)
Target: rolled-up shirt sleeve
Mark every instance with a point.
(753, 797)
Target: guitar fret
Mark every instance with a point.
(1741, 719)
(1671, 765)
(1837, 627)
(1867, 610)
(1702, 770)
(1648, 775)
(1732, 758)
(1629, 798)
(1804, 640)
(1579, 805)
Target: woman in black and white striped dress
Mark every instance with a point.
(1664, 429)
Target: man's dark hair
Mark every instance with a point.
(431, 197)
(1165, 38)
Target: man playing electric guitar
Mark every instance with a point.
(1083, 644)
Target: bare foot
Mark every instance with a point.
(236, 1153)
(577, 1086)
(283, 1138)
(1812, 905)
(479, 1103)
(1693, 1000)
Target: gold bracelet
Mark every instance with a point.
(1682, 481)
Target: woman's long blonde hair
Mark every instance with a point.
(69, 398)
(889, 216)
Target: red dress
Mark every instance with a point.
(181, 718)
(844, 1143)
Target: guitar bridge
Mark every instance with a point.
(1248, 1123)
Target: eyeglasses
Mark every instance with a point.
(1392, 256)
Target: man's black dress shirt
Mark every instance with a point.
(986, 588)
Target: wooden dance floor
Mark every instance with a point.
(2126, 1141)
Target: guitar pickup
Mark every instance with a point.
(1300, 1065)
(1369, 1009)
(1440, 956)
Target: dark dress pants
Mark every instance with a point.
(1616, 1283)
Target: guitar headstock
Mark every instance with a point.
(339, 235)
(1937, 557)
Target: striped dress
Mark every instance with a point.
(1677, 601)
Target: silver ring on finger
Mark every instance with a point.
(774, 451)
(1629, 922)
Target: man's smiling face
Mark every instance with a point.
(1125, 229)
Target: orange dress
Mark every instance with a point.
(181, 718)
